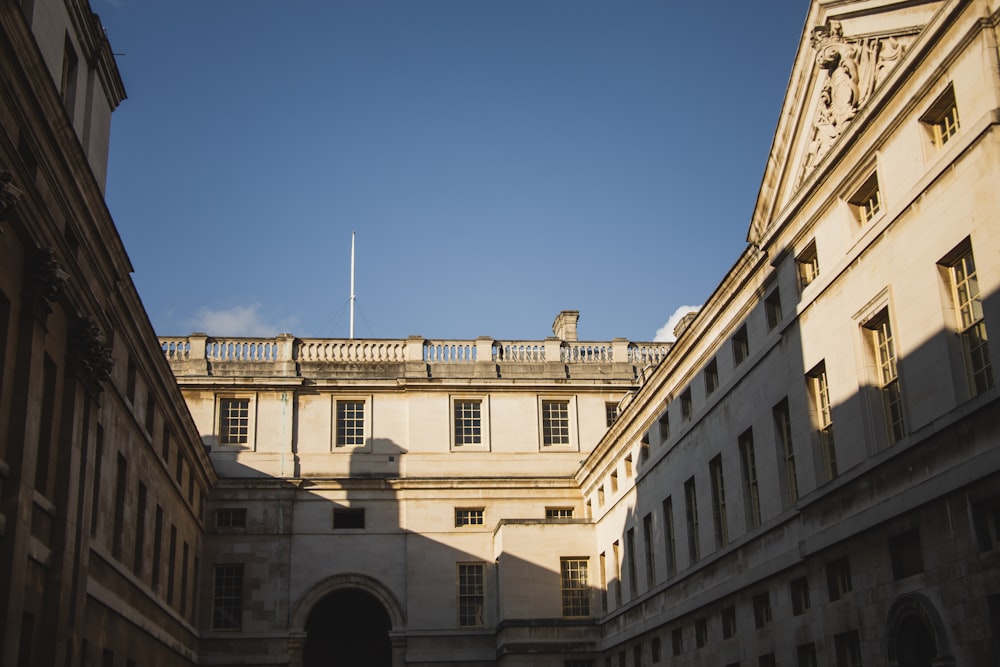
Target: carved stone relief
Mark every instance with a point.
(45, 280)
(851, 71)
(10, 194)
(90, 355)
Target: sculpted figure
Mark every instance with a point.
(838, 59)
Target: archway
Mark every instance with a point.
(915, 634)
(348, 627)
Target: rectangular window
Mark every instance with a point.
(468, 516)
(557, 513)
(150, 410)
(614, 481)
(234, 421)
(866, 202)
(941, 120)
(807, 265)
(171, 563)
(4, 335)
(633, 586)
(838, 578)
(772, 309)
(575, 589)
(157, 545)
(906, 555)
(806, 654)
(350, 423)
(686, 404)
(140, 529)
(884, 352)
(800, 596)
(610, 413)
(719, 503)
(668, 535)
(67, 86)
(691, 498)
(741, 345)
(227, 598)
(348, 518)
(711, 377)
(130, 373)
(761, 609)
(471, 595)
(600, 496)
(647, 543)
(677, 641)
(604, 582)
(664, 427)
(786, 452)
(848, 649)
(184, 577)
(728, 622)
(120, 482)
(656, 653)
(616, 555)
(165, 453)
(820, 394)
(986, 517)
(555, 423)
(468, 422)
(46, 426)
(701, 633)
(231, 517)
(971, 327)
(751, 491)
(627, 461)
(95, 501)
(766, 660)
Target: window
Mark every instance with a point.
(234, 421)
(95, 499)
(150, 411)
(231, 517)
(637, 655)
(130, 381)
(838, 578)
(471, 595)
(686, 404)
(800, 596)
(67, 87)
(806, 654)
(668, 536)
(751, 492)
(719, 503)
(741, 345)
(468, 422)
(654, 649)
(227, 598)
(171, 563)
(556, 513)
(941, 120)
(772, 309)
(614, 481)
(691, 498)
(350, 423)
(848, 649)
(786, 452)
(884, 352)
(807, 265)
(677, 641)
(905, 554)
(604, 582)
(633, 586)
(185, 550)
(120, 482)
(820, 393)
(766, 660)
(165, 453)
(4, 335)
(628, 465)
(575, 590)
(664, 427)
(866, 202)
(616, 554)
(700, 632)
(610, 413)
(43, 463)
(140, 530)
(711, 377)
(971, 327)
(348, 518)
(600, 496)
(157, 545)
(986, 516)
(555, 423)
(728, 622)
(761, 609)
(469, 516)
(647, 543)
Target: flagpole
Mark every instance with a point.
(353, 297)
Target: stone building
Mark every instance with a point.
(103, 477)
(810, 475)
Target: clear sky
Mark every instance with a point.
(500, 160)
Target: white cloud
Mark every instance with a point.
(665, 334)
(235, 321)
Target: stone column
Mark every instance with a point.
(284, 363)
(398, 649)
(296, 649)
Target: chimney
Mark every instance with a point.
(564, 326)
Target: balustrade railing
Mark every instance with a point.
(286, 348)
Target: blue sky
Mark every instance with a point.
(500, 161)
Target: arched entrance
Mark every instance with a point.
(915, 635)
(348, 627)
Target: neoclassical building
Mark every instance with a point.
(809, 475)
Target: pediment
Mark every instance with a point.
(848, 52)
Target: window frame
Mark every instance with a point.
(867, 202)
(227, 603)
(819, 397)
(941, 120)
(807, 265)
(483, 402)
(470, 517)
(570, 442)
(575, 591)
(366, 433)
(969, 322)
(220, 441)
(478, 593)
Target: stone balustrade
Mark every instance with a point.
(200, 354)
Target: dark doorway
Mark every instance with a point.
(914, 643)
(346, 629)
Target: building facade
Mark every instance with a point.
(103, 476)
(810, 475)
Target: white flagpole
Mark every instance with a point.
(353, 297)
